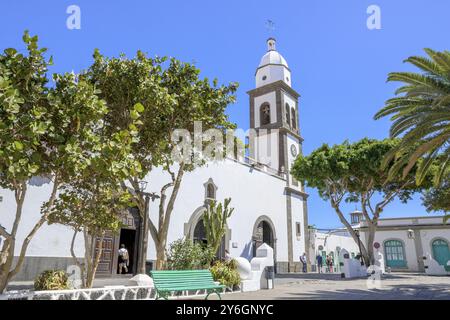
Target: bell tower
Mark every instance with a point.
(274, 114)
(275, 143)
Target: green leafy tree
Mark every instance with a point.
(46, 132)
(93, 201)
(438, 199)
(172, 96)
(215, 222)
(93, 210)
(352, 172)
(421, 115)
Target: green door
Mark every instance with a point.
(395, 254)
(324, 258)
(441, 252)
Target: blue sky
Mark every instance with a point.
(338, 65)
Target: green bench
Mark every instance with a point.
(167, 281)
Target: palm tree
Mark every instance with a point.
(421, 113)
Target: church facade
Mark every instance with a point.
(270, 206)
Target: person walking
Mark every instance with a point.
(303, 260)
(319, 263)
(330, 265)
(124, 259)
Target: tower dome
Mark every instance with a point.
(272, 56)
(272, 67)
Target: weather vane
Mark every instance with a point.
(270, 26)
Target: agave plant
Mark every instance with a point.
(52, 280)
(421, 114)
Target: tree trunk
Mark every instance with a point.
(95, 260)
(160, 255)
(6, 272)
(78, 263)
(3, 279)
(6, 259)
(352, 232)
(160, 236)
(370, 240)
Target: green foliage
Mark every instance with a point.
(226, 273)
(421, 115)
(215, 222)
(24, 108)
(437, 198)
(352, 172)
(352, 169)
(171, 94)
(52, 280)
(186, 255)
(94, 199)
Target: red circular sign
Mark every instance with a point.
(376, 245)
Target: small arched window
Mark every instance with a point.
(210, 191)
(294, 119)
(288, 115)
(264, 114)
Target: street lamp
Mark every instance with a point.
(142, 185)
(144, 230)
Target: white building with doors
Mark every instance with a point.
(330, 243)
(270, 206)
(405, 241)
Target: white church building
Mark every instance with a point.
(270, 206)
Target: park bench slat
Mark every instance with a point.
(167, 281)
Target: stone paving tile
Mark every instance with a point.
(398, 286)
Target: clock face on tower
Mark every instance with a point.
(293, 150)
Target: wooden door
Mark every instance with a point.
(106, 263)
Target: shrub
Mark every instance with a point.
(185, 255)
(226, 273)
(52, 280)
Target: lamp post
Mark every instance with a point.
(144, 229)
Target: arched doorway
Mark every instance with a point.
(264, 232)
(441, 251)
(395, 254)
(129, 236)
(199, 235)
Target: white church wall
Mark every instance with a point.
(253, 194)
(298, 245)
(292, 141)
(50, 240)
(267, 149)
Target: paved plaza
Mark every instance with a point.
(311, 286)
